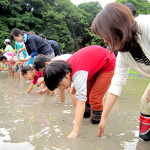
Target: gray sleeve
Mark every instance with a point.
(80, 84)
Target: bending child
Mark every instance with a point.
(39, 64)
(31, 74)
(91, 70)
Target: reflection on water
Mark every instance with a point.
(29, 121)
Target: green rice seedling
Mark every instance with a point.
(32, 132)
(5, 95)
(31, 120)
(24, 116)
(65, 129)
(16, 109)
(51, 118)
(22, 109)
(6, 81)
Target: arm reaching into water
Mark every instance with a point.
(30, 88)
(110, 101)
(78, 119)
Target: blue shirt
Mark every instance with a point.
(18, 47)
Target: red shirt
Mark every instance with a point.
(92, 59)
(38, 75)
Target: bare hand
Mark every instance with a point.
(148, 96)
(101, 127)
(19, 51)
(22, 60)
(72, 90)
(73, 135)
(13, 68)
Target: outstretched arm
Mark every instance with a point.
(30, 88)
(78, 118)
(15, 50)
(110, 101)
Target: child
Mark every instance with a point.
(8, 48)
(39, 64)
(5, 59)
(21, 55)
(91, 70)
(31, 74)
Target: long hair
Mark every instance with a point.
(55, 72)
(16, 32)
(116, 25)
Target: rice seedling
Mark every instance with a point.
(31, 120)
(51, 118)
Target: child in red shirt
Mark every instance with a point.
(91, 70)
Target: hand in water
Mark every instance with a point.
(73, 135)
(101, 127)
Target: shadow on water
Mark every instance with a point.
(29, 121)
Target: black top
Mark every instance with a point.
(56, 47)
(36, 43)
(139, 55)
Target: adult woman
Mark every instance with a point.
(34, 44)
(116, 25)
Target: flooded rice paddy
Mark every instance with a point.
(32, 122)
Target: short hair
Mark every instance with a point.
(24, 69)
(2, 57)
(55, 72)
(42, 35)
(132, 8)
(115, 24)
(39, 61)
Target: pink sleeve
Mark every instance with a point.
(35, 78)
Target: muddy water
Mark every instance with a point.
(29, 122)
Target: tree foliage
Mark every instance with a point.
(59, 20)
(142, 6)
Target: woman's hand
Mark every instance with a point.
(148, 96)
(101, 127)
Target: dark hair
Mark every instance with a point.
(16, 32)
(39, 61)
(115, 24)
(55, 72)
(2, 57)
(132, 8)
(24, 70)
(42, 35)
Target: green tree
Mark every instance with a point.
(142, 6)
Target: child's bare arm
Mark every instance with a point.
(30, 88)
(39, 83)
(15, 65)
(15, 50)
(22, 49)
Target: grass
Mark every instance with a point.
(132, 72)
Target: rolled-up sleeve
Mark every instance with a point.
(120, 77)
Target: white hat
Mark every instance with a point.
(6, 40)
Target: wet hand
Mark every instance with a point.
(101, 127)
(148, 96)
(41, 92)
(73, 135)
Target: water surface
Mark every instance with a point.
(32, 122)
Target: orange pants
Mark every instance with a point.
(96, 89)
